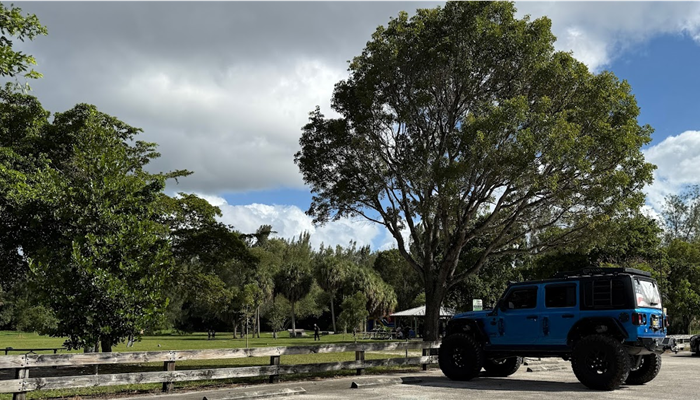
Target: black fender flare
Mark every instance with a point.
(597, 325)
(466, 325)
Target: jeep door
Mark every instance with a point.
(518, 319)
(560, 312)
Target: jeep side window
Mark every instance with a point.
(560, 295)
(521, 298)
(604, 294)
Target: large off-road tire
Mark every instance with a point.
(695, 345)
(600, 362)
(460, 357)
(651, 365)
(502, 366)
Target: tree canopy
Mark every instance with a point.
(681, 213)
(462, 124)
(82, 220)
(15, 25)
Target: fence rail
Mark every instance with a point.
(23, 382)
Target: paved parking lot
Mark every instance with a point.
(677, 380)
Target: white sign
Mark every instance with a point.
(477, 305)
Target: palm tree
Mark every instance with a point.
(294, 279)
(330, 274)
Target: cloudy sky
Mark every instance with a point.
(225, 87)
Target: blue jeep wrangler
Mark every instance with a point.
(607, 321)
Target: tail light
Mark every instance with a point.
(639, 319)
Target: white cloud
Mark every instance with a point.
(649, 212)
(597, 32)
(237, 131)
(290, 221)
(225, 87)
(389, 242)
(677, 159)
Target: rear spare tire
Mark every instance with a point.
(460, 357)
(651, 364)
(600, 362)
(502, 366)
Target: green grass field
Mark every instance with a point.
(196, 341)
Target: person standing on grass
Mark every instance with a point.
(317, 336)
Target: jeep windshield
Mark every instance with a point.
(647, 293)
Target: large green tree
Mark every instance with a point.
(107, 259)
(81, 211)
(462, 123)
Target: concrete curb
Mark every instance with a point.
(258, 394)
(540, 368)
(371, 382)
(547, 364)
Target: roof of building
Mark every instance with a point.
(420, 312)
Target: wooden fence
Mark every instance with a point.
(23, 382)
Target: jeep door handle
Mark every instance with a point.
(567, 315)
(532, 317)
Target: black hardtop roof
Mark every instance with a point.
(601, 272)
(586, 273)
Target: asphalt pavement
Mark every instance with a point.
(549, 380)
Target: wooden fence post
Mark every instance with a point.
(168, 366)
(426, 352)
(20, 373)
(274, 360)
(360, 356)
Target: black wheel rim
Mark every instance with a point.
(639, 367)
(459, 357)
(597, 362)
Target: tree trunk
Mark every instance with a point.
(433, 301)
(106, 346)
(294, 324)
(333, 312)
(235, 328)
(257, 325)
(246, 331)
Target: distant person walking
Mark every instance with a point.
(317, 335)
